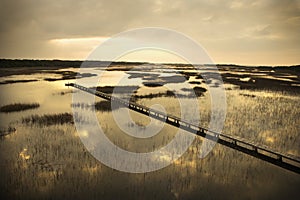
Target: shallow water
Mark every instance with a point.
(42, 162)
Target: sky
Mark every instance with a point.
(246, 32)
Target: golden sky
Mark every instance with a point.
(248, 32)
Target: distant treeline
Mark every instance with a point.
(38, 63)
(57, 63)
(78, 63)
(262, 67)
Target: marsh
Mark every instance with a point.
(44, 157)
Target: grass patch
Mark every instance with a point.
(17, 81)
(199, 91)
(195, 82)
(168, 93)
(104, 106)
(153, 84)
(160, 81)
(118, 89)
(68, 75)
(18, 107)
(248, 95)
(49, 119)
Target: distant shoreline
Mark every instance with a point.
(92, 63)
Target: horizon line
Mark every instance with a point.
(144, 62)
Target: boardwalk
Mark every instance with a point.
(285, 161)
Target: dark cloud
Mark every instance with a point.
(252, 27)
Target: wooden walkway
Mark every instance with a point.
(286, 161)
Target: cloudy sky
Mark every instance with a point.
(250, 32)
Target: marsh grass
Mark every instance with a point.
(195, 82)
(49, 119)
(50, 162)
(118, 89)
(104, 106)
(199, 91)
(168, 93)
(67, 75)
(17, 81)
(153, 84)
(18, 107)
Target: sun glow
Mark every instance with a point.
(79, 41)
(75, 48)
